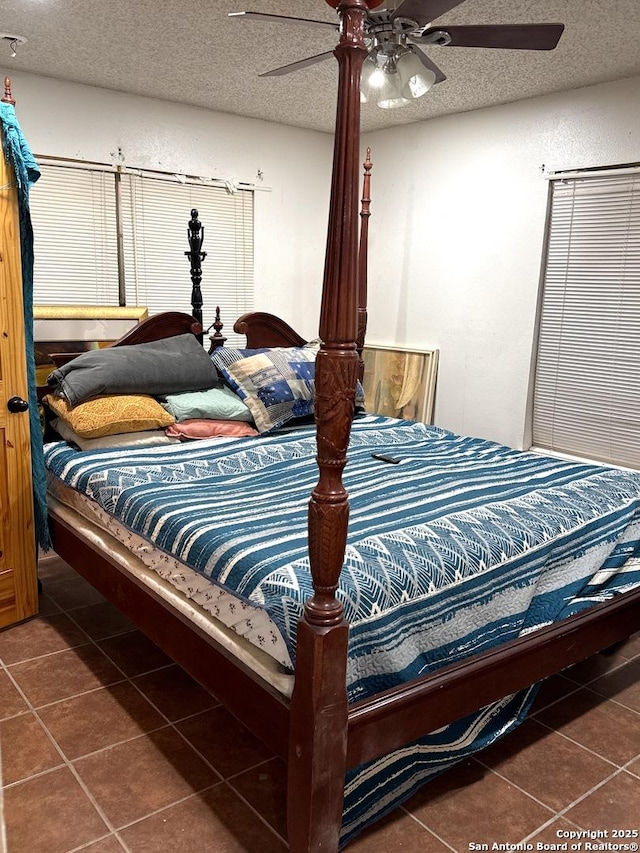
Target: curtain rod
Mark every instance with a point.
(155, 174)
(592, 172)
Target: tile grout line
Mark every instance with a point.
(426, 828)
(547, 824)
(534, 715)
(561, 812)
(47, 705)
(586, 685)
(616, 769)
(616, 665)
(97, 841)
(582, 745)
(576, 687)
(555, 814)
(66, 762)
(125, 679)
(222, 779)
(171, 724)
(515, 785)
(247, 769)
(208, 763)
(193, 795)
(255, 812)
(560, 734)
(161, 809)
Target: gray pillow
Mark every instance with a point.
(169, 366)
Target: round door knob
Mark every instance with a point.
(17, 404)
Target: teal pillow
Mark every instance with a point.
(219, 404)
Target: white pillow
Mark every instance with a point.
(146, 438)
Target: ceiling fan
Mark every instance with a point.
(395, 71)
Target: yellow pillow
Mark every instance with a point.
(111, 414)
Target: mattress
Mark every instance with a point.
(241, 617)
(248, 653)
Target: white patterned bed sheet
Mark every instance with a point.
(245, 627)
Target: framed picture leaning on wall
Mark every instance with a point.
(400, 383)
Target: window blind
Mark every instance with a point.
(155, 216)
(75, 238)
(74, 214)
(586, 398)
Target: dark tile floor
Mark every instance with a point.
(109, 746)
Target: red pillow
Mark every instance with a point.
(206, 428)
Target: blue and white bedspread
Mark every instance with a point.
(460, 546)
(463, 544)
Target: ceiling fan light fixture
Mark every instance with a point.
(372, 77)
(381, 82)
(393, 103)
(415, 78)
(390, 96)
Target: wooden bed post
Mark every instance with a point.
(318, 732)
(363, 261)
(8, 98)
(195, 235)
(217, 339)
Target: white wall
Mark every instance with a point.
(457, 221)
(85, 123)
(456, 239)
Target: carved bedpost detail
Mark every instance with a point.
(319, 705)
(195, 235)
(363, 261)
(217, 338)
(337, 361)
(7, 98)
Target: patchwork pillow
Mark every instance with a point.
(206, 428)
(216, 403)
(276, 384)
(112, 414)
(146, 438)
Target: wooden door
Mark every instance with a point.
(18, 581)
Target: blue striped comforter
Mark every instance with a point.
(462, 545)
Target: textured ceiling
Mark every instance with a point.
(191, 52)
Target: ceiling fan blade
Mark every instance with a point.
(424, 59)
(424, 11)
(295, 66)
(511, 37)
(263, 16)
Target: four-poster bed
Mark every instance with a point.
(321, 731)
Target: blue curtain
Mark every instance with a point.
(18, 154)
